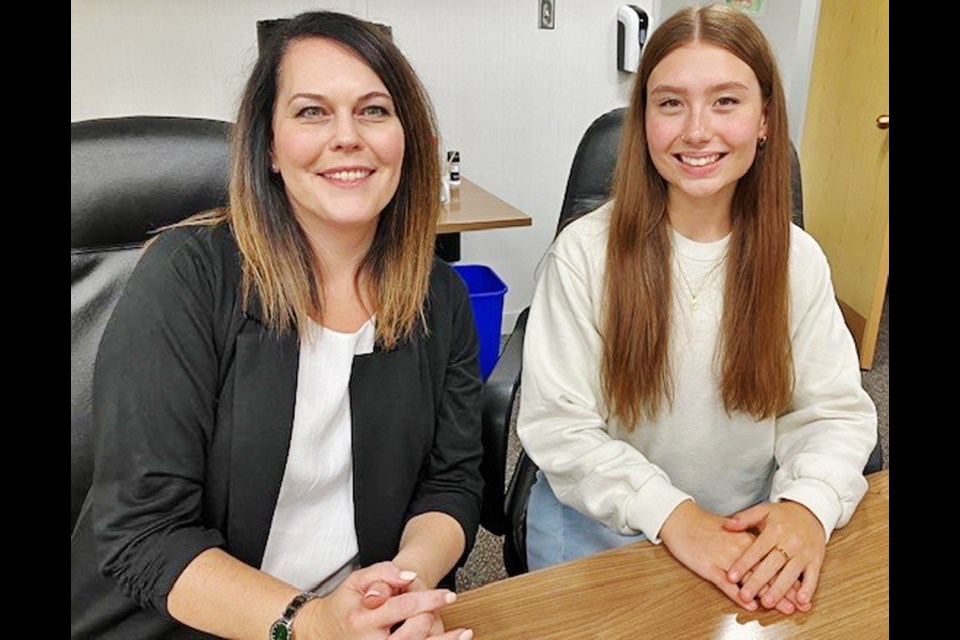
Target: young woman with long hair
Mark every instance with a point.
(688, 376)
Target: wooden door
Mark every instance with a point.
(844, 159)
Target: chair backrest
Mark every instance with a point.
(591, 172)
(128, 177)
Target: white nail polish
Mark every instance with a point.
(408, 575)
(466, 635)
(450, 597)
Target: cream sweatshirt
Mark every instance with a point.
(813, 454)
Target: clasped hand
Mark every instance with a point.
(791, 544)
(380, 602)
(726, 552)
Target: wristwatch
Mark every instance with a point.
(282, 629)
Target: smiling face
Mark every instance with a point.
(337, 141)
(704, 116)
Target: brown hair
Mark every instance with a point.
(277, 259)
(756, 367)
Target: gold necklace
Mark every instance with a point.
(706, 279)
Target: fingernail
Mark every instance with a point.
(734, 576)
(408, 575)
(752, 606)
(466, 635)
(371, 593)
(451, 597)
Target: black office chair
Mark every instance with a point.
(588, 186)
(128, 176)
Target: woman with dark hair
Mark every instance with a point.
(707, 394)
(286, 395)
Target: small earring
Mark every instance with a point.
(762, 143)
(274, 167)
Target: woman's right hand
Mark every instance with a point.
(360, 609)
(697, 538)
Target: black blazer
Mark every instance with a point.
(193, 406)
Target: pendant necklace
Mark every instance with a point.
(704, 281)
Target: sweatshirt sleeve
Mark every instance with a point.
(825, 438)
(562, 420)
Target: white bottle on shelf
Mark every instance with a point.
(453, 161)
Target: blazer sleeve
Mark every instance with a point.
(825, 438)
(450, 481)
(154, 398)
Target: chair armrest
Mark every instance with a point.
(499, 394)
(518, 495)
(875, 462)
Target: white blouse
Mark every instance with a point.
(312, 535)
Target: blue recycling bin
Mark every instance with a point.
(487, 291)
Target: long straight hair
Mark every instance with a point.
(754, 355)
(278, 262)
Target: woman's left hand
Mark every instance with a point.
(429, 548)
(379, 592)
(436, 623)
(791, 544)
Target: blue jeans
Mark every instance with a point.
(557, 533)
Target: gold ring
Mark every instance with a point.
(785, 554)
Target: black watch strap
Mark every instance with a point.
(282, 629)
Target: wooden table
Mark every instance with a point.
(472, 208)
(640, 592)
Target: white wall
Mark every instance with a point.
(514, 99)
(169, 57)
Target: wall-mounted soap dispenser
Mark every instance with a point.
(634, 25)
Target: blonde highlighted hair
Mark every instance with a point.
(278, 263)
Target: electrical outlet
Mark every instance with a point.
(546, 10)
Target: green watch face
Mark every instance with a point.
(280, 631)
